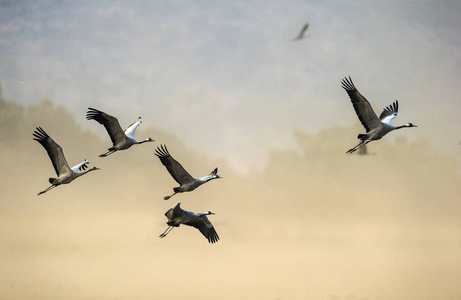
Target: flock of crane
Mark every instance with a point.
(375, 127)
(122, 140)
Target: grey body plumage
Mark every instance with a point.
(375, 127)
(65, 174)
(121, 139)
(177, 216)
(187, 183)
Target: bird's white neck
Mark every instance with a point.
(80, 167)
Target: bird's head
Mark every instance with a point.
(410, 125)
(149, 140)
(94, 168)
(210, 213)
(139, 120)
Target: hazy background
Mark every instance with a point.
(223, 75)
(222, 85)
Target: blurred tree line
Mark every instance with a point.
(399, 179)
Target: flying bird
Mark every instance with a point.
(301, 35)
(64, 172)
(121, 140)
(187, 183)
(177, 216)
(375, 127)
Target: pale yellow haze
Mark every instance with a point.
(222, 84)
(315, 223)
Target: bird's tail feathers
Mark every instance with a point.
(51, 180)
(362, 136)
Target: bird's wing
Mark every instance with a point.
(175, 212)
(132, 128)
(111, 124)
(302, 32)
(389, 113)
(81, 166)
(174, 168)
(54, 151)
(206, 228)
(362, 107)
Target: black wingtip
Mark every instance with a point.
(214, 172)
(162, 151)
(92, 113)
(347, 84)
(213, 237)
(39, 134)
(394, 107)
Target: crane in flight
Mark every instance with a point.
(375, 127)
(187, 183)
(177, 216)
(65, 173)
(302, 34)
(121, 140)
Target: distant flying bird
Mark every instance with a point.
(64, 172)
(121, 140)
(301, 35)
(375, 127)
(177, 216)
(187, 183)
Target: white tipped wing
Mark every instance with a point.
(389, 113)
(81, 166)
(132, 128)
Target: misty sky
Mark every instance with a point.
(225, 77)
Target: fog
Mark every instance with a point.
(314, 223)
(223, 75)
(222, 85)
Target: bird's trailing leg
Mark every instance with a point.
(42, 192)
(360, 145)
(107, 153)
(166, 231)
(168, 197)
